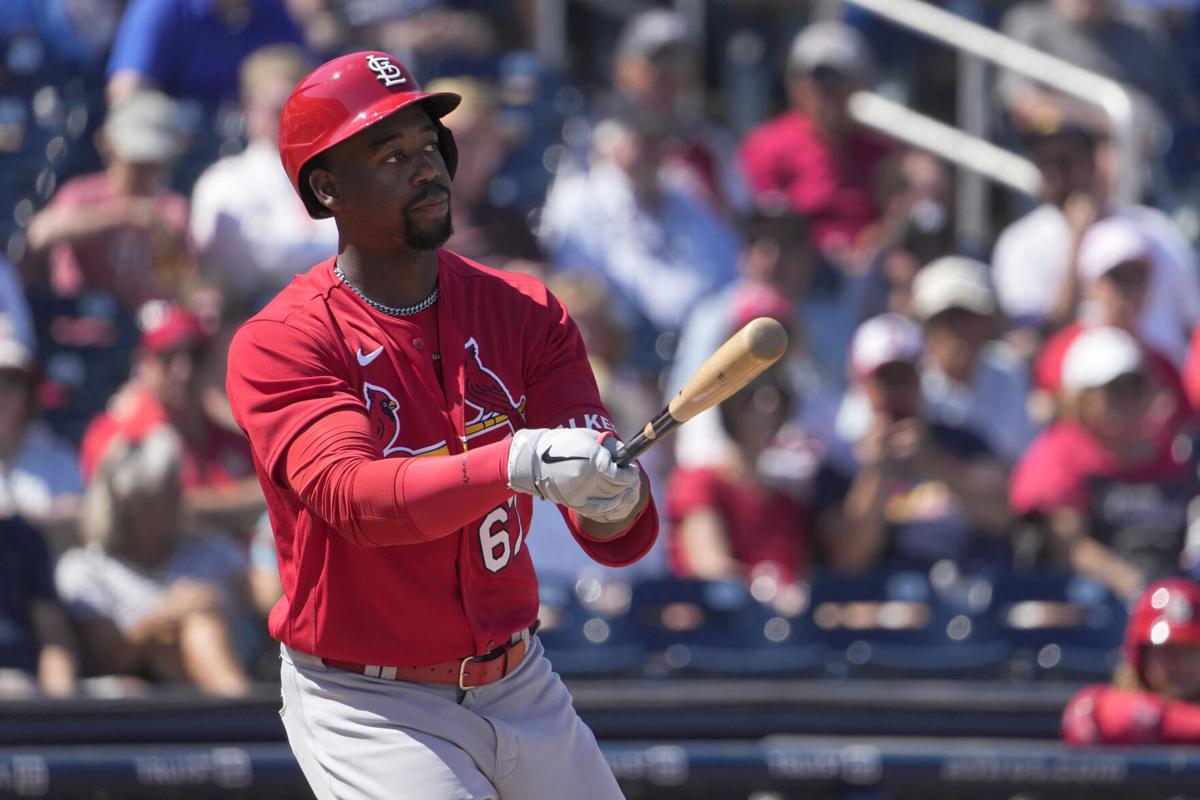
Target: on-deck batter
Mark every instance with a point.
(403, 404)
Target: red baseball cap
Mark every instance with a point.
(167, 328)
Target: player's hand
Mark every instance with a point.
(574, 467)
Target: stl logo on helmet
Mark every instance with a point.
(387, 72)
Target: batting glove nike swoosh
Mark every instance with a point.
(571, 467)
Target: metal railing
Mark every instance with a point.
(983, 43)
(967, 151)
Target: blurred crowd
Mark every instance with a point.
(943, 408)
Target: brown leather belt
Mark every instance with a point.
(465, 673)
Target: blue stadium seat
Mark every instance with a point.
(1060, 626)
(717, 628)
(584, 642)
(886, 624)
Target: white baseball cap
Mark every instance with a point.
(952, 282)
(834, 45)
(884, 340)
(1109, 243)
(1098, 356)
(145, 128)
(652, 32)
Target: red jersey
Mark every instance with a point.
(1107, 715)
(765, 526)
(124, 261)
(220, 458)
(834, 188)
(369, 582)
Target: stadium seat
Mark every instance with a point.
(1060, 626)
(717, 628)
(582, 641)
(892, 624)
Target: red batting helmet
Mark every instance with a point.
(1167, 612)
(344, 96)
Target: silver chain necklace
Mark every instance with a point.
(391, 311)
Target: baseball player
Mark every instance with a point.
(404, 404)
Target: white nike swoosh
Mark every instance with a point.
(363, 360)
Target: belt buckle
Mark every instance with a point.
(462, 670)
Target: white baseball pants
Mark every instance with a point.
(361, 738)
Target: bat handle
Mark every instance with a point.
(657, 428)
(634, 448)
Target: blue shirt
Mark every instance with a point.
(186, 49)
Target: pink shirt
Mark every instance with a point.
(124, 260)
(834, 190)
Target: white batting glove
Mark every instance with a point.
(574, 467)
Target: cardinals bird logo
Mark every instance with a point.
(383, 413)
(494, 407)
(486, 392)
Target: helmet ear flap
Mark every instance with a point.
(448, 147)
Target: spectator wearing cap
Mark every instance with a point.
(1034, 259)
(749, 518)
(655, 77)
(779, 276)
(120, 232)
(1117, 274)
(1107, 487)
(968, 379)
(192, 48)
(151, 595)
(39, 473)
(813, 157)
(251, 232)
(924, 491)
(658, 249)
(167, 388)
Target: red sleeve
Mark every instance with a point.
(280, 379)
(1046, 478)
(559, 383)
(335, 467)
(561, 392)
(312, 435)
(1107, 715)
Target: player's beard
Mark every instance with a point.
(428, 235)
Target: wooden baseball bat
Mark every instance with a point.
(740, 360)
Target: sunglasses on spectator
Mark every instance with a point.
(829, 79)
(895, 374)
(1129, 274)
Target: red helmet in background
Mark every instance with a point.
(344, 96)
(1167, 612)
